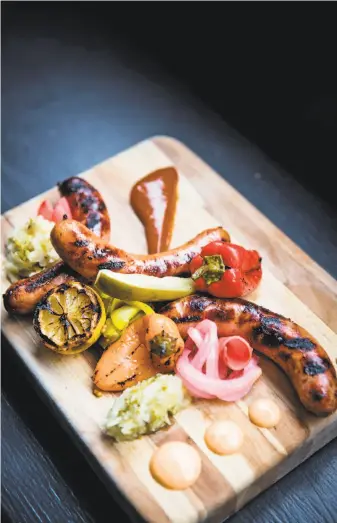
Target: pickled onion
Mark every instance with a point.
(236, 352)
(212, 368)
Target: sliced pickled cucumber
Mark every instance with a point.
(70, 318)
(141, 287)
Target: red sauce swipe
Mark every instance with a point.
(154, 200)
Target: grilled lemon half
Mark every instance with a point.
(69, 319)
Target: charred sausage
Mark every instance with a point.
(23, 296)
(291, 347)
(87, 206)
(87, 254)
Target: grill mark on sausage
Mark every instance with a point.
(317, 396)
(81, 243)
(161, 306)
(327, 363)
(45, 277)
(88, 202)
(72, 185)
(93, 220)
(299, 343)
(101, 253)
(186, 319)
(269, 339)
(313, 368)
(154, 269)
(199, 303)
(113, 265)
(251, 308)
(215, 314)
(268, 332)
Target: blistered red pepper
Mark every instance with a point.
(226, 270)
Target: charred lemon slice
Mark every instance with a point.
(69, 319)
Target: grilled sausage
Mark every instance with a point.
(291, 347)
(23, 296)
(88, 207)
(87, 254)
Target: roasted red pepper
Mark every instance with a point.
(226, 270)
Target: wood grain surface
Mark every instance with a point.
(292, 285)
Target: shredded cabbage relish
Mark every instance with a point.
(146, 407)
(29, 249)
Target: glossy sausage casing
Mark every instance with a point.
(88, 207)
(87, 254)
(291, 347)
(23, 296)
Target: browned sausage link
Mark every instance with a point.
(87, 205)
(305, 362)
(87, 254)
(22, 296)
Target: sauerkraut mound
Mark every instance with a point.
(146, 407)
(29, 249)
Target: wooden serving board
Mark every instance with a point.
(292, 285)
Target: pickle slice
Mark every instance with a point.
(141, 287)
(70, 318)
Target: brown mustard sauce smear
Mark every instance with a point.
(154, 200)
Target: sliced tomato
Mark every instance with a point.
(61, 210)
(46, 210)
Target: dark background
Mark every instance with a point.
(269, 71)
(83, 81)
